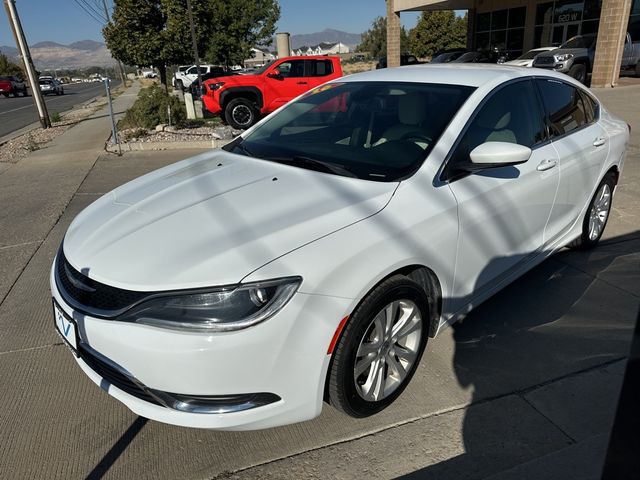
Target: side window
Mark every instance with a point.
(512, 114)
(319, 68)
(192, 71)
(564, 107)
(591, 107)
(293, 68)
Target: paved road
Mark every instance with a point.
(19, 112)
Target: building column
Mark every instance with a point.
(471, 28)
(393, 35)
(612, 31)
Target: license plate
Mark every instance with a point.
(66, 328)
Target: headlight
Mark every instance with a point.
(215, 86)
(563, 57)
(216, 310)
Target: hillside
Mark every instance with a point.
(328, 35)
(48, 55)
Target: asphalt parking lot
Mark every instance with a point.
(527, 384)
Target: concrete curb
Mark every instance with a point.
(140, 146)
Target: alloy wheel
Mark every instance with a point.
(241, 114)
(599, 212)
(388, 350)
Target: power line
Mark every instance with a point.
(86, 8)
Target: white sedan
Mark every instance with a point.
(526, 59)
(313, 257)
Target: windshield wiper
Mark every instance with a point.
(321, 165)
(236, 143)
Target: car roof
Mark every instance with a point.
(472, 75)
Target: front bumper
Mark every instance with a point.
(211, 103)
(284, 357)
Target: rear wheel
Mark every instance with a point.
(597, 215)
(380, 348)
(579, 72)
(241, 113)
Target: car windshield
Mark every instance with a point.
(379, 131)
(581, 41)
(467, 57)
(530, 55)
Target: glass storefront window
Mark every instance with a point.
(568, 11)
(590, 27)
(499, 40)
(517, 17)
(544, 13)
(499, 20)
(515, 39)
(483, 22)
(592, 9)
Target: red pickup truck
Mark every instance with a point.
(241, 99)
(13, 86)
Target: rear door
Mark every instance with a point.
(317, 72)
(582, 146)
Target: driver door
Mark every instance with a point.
(290, 83)
(502, 212)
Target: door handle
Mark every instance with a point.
(546, 164)
(598, 142)
(302, 83)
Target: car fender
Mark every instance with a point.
(233, 92)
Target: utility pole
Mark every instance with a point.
(195, 46)
(120, 67)
(21, 42)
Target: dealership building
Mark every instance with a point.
(516, 26)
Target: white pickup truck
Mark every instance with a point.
(183, 78)
(631, 55)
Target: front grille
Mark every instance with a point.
(544, 61)
(81, 291)
(114, 377)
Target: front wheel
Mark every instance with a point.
(579, 72)
(380, 348)
(179, 85)
(241, 113)
(597, 215)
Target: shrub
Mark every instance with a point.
(55, 117)
(150, 109)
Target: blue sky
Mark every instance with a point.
(67, 22)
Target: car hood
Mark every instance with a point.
(574, 51)
(519, 63)
(212, 220)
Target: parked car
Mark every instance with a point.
(449, 55)
(574, 57)
(480, 56)
(50, 87)
(404, 60)
(242, 99)
(13, 85)
(526, 59)
(149, 74)
(183, 79)
(313, 257)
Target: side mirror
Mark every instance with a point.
(275, 74)
(497, 154)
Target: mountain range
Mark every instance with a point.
(89, 53)
(49, 55)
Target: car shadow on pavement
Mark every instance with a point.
(567, 316)
(117, 449)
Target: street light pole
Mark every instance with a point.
(21, 42)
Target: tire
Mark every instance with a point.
(5, 95)
(597, 215)
(25, 93)
(638, 69)
(62, 92)
(357, 392)
(579, 72)
(241, 113)
(179, 85)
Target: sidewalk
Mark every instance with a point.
(36, 191)
(526, 387)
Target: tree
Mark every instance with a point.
(7, 67)
(156, 32)
(438, 30)
(374, 40)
